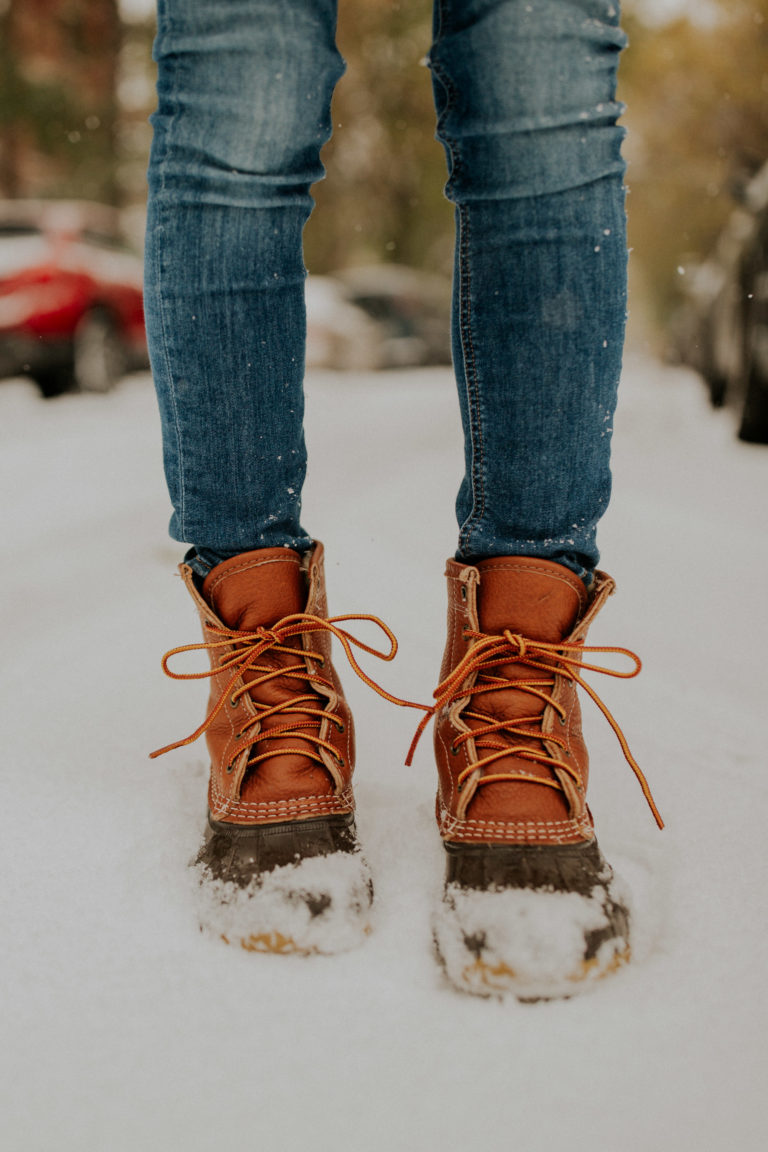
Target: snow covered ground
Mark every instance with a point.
(124, 1028)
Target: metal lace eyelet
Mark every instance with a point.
(230, 768)
(233, 702)
(463, 591)
(340, 726)
(454, 750)
(561, 718)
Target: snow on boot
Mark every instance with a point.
(530, 906)
(281, 868)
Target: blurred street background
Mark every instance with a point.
(77, 88)
(124, 1028)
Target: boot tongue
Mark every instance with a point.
(536, 598)
(257, 588)
(541, 601)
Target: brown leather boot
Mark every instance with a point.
(530, 905)
(281, 868)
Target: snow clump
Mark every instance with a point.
(318, 905)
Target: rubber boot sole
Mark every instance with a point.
(533, 922)
(298, 887)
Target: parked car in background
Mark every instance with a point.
(382, 316)
(412, 309)
(339, 335)
(71, 312)
(721, 328)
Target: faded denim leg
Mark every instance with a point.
(244, 91)
(525, 94)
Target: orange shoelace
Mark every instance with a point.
(490, 652)
(244, 650)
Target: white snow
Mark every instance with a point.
(272, 914)
(526, 942)
(124, 1027)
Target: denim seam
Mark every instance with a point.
(437, 22)
(159, 280)
(468, 354)
(472, 383)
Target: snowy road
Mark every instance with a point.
(124, 1028)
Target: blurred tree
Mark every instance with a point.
(76, 90)
(58, 101)
(136, 76)
(698, 120)
(382, 199)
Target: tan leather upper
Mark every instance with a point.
(258, 589)
(540, 601)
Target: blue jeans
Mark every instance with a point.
(526, 111)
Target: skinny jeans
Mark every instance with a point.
(525, 97)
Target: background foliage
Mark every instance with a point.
(697, 99)
(59, 109)
(76, 88)
(382, 198)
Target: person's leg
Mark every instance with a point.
(244, 108)
(525, 94)
(244, 92)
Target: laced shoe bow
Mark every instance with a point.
(282, 682)
(498, 668)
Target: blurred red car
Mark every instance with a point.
(71, 312)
